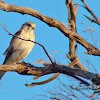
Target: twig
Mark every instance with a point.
(28, 40)
(56, 75)
(43, 82)
(97, 91)
(91, 12)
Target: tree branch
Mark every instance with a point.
(28, 69)
(78, 65)
(53, 23)
(72, 13)
(96, 20)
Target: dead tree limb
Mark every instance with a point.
(72, 13)
(28, 69)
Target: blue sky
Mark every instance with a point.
(12, 86)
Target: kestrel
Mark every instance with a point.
(19, 49)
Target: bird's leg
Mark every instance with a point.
(17, 61)
(20, 62)
(23, 62)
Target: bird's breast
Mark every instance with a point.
(23, 47)
(27, 36)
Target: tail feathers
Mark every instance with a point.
(7, 61)
(1, 74)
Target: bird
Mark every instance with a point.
(18, 48)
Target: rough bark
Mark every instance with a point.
(28, 69)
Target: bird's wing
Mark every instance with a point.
(13, 45)
(8, 52)
(18, 32)
(12, 42)
(14, 38)
(5, 53)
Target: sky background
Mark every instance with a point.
(12, 84)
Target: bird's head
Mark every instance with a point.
(28, 25)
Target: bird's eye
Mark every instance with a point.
(28, 24)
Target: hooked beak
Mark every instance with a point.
(33, 26)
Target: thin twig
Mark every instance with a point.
(91, 12)
(28, 40)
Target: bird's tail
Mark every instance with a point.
(1, 74)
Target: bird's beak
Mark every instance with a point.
(33, 26)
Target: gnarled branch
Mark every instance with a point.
(28, 69)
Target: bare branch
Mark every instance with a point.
(28, 69)
(74, 62)
(72, 13)
(43, 82)
(78, 64)
(53, 23)
(71, 17)
(96, 20)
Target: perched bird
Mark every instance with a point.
(19, 49)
